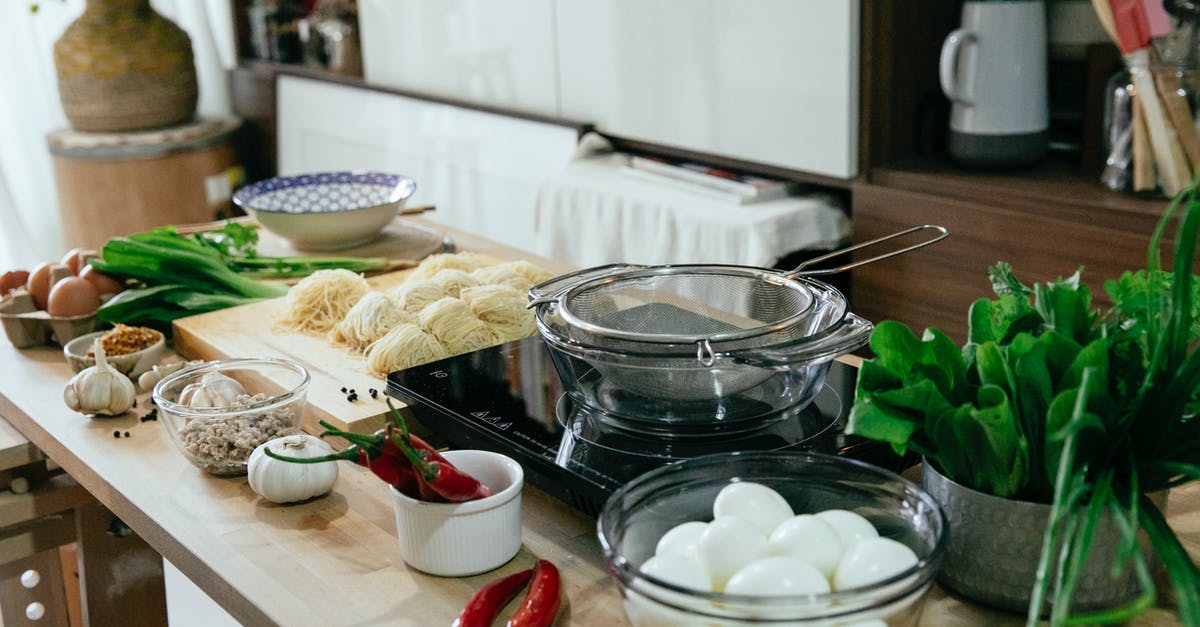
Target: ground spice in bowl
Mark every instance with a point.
(123, 340)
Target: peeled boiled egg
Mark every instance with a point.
(682, 569)
(72, 296)
(104, 283)
(39, 284)
(850, 527)
(872, 560)
(809, 538)
(777, 576)
(755, 502)
(728, 544)
(681, 538)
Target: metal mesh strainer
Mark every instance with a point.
(625, 307)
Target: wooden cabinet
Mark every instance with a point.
(933, 287)
(1046, 221)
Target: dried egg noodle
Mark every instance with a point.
(502, 308)
(320, 301)
(519, 275)
(405, 346)
(451, 322)
(533, 273)
(466, 262)
(415, 295)
(454, 281)
(368, 320)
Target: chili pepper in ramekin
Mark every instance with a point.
(441, 477)
(487, 602)
(376, 452)
(541, 602)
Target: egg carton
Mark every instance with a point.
(26, 326)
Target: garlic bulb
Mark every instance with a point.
(286, 482)
(99, 389)
(213, 390)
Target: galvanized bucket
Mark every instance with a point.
(994, 545)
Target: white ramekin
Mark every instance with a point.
(460, 539)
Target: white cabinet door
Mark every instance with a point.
(773, 81)
(496, 53)
(481, 170)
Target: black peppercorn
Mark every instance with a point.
(126, 434)
(116, 434)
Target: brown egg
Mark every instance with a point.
(39, 284)
(13, 279)
(73, 296)
(76, 259)
(104, 283)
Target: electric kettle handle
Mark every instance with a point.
(948, 64)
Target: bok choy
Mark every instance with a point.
(182, 275)
(1052, 400)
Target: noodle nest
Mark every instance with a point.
(320, 301)
(453, 324)
(368, 320)
(405, 346)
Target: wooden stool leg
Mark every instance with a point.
(121, 577)
(15, 597)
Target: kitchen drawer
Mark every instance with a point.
(935, 286)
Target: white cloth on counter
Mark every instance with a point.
(594, 213)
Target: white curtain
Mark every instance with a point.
(30, 229)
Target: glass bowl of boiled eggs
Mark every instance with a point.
(772, 537)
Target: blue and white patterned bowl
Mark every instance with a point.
(327, 210)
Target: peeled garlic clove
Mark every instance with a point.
(212, 390)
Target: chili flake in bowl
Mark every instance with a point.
(130, 350)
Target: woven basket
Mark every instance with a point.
(123, 67)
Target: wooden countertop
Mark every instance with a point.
(334, 560)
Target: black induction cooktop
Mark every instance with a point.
(509, 399)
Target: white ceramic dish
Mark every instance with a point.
(327, 210)
(460, 539)
(130, 364)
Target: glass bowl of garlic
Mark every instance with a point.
(217, 412)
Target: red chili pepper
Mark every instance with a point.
(376, 452)
(541, 602)
(483, 607)
(441, 477)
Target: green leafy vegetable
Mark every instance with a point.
(1053, 401)
(185, 275)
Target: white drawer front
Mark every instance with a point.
(773, 81)
(481, 170)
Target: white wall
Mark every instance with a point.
(771, 81)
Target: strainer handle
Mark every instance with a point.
(550, 291)
(801, 271)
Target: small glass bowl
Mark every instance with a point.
(639, 514)
(219, 440)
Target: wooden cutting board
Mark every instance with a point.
(246, 332)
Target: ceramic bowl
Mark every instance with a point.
(327, 210)
(460, 539)
(129, 364)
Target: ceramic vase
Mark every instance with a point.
(994, 546)
(123, 67)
